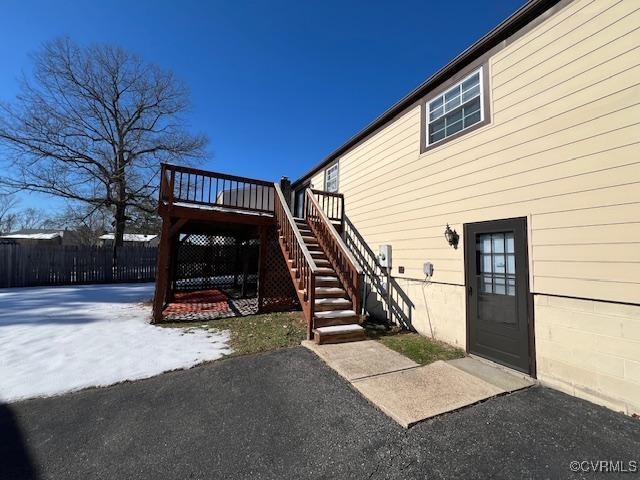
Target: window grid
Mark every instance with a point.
(331, 179)
(456, 109)
(496, 256)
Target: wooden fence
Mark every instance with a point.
(33, 265)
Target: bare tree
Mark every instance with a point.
(93, 125)
(8, 216)
(30, 218)
(84, 222)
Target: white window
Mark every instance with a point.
(456, 109)
(331, 178)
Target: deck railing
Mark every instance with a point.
(332, 204)
(186, 186)
(346, 266)
(304, 265)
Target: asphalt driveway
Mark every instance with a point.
(286, 415)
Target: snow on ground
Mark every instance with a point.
(59, 339)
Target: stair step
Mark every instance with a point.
(336, 314)
(330, 292)
(339, 333)
(322, 263)
(329, 303)
(326, 270)
(335, 317)
(327, 280)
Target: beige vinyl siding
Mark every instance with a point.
(317, 181)
(562, 149)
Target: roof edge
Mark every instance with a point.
(519, 19)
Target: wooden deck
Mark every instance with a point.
(301, 260)
(194, 194)
(198, 202)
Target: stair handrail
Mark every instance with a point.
(299, 252)
(346, 265)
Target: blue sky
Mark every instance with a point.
(277, 84)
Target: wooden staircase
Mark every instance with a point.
(325, 274)
(334, 317)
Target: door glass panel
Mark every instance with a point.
(485, 241)
(498, 242)
(496, 263)
(486, 263)
(510, 243)
(487, 284)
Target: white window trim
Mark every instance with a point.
(326, 175)
(428, 106)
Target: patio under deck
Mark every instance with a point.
(218, 236)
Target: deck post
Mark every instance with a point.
(236, 261)
(174, 240)
(162, 274)
(262, 256)
(245, 270)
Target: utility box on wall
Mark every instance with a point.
(384, 256)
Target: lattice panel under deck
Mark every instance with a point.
(278, 293)
(210, 261)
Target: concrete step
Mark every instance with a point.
(330, 292)
(339, 334)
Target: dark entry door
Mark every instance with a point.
(299, 201)
(497, 281)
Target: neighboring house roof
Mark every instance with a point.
(34, 234)
(129, 237)
(522, 17)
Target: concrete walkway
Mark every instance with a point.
(410, 393)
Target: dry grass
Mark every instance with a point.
(256, 333)
(420, 349)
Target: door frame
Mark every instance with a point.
(529, 295)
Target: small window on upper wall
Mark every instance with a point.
(455, 110)
(331, 178)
